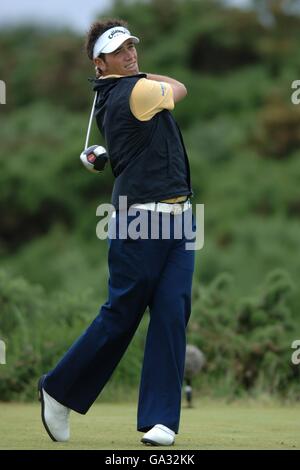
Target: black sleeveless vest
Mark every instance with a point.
(148, 158)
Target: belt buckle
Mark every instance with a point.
(177, 209)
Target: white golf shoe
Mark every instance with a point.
(159, 435)
(55, 416)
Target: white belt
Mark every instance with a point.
(175, 208)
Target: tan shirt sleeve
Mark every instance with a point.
(149, 97)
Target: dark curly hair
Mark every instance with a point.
(95, 31)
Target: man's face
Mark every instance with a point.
(123, 61)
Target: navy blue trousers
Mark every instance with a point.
(154, 273)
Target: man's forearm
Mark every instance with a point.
(179, 90)
(163, 78)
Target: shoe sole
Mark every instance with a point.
(149, 442)
(41, 399)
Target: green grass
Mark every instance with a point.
(209, 425)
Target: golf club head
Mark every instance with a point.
(94, 158)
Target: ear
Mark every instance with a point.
(101, 64)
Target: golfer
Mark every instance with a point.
(151, 169)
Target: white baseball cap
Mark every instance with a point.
(111, 39)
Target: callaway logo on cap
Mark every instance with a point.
(111, 40)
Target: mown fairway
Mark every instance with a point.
(209, 425)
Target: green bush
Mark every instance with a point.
(247, 342)
(38, 328)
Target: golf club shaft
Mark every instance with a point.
(90, 123)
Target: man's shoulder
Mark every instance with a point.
(149, 97)
(132, 78)
(128, 82)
